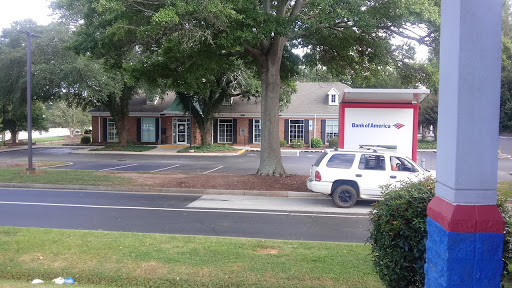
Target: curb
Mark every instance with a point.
(181, 191)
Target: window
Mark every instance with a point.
(227, 101)
(333, 99)
(372, 162)
(401, 164)
(225, 131)
(341, 161)
(331, 129)
(148, 130)
(111, 131)
(296, 130)
(256, 131)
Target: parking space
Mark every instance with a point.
(126, 166)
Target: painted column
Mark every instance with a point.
(465, 228)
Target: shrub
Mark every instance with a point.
(333, 142)
(297, 143)
(399, 233)
(282, 143)
(85, 140)
(316, 143)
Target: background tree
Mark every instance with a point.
(506, 70)
(61, 114)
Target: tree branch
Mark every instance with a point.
(256, 53)
(296, 7)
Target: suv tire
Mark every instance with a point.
(344, 196)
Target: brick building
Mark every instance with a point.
(313, 112)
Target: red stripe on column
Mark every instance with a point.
(466, 218)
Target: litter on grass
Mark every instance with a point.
(37, 281)
(69, 281)
(59, 280)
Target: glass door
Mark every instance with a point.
(182, 133)
(148, 130)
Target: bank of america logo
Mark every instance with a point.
(398, 125)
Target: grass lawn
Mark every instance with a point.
(61, 177)
(115, 259)
(505, 188)
(129, 148)
(209, 148)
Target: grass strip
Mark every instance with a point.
(128, 148)
(61, 177)
(117, 259)
(505, 189)
(209, 148)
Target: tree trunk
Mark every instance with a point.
(122, 131)
(205, 129)
(434, 130)
(71, 131)
(424, 132)
(14, 135)
(270, 68)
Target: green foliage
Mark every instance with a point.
(507, 245)
(398, 233)
(282, 143)
(85, 140)
(68, 116)
(333, 142)
(209, 148)
(130, 147)
(426, 144)
(297, 143)
(316, 143)
(428, 112)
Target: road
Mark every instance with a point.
(228, 216)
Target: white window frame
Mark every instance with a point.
(175, 122)
(333, 99)
(142, 130)
(223, 128)
(111, 130)
(331, 130)
(256, 127)
(297, 126)
(227, 101)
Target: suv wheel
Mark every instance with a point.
(344, 196)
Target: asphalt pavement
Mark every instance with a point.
(210, 215)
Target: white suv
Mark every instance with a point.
(348, 175)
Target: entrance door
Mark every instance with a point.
(182, 133)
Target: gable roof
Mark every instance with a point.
(311, 98)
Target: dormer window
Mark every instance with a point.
(227, 101)
(333, 96)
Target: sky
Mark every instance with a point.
(12, 10)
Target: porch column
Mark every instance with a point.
(465, 227)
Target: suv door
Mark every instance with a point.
(371, 174)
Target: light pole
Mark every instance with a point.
(190, 127)
(29, 96)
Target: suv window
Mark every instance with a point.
(319, 159)
(372, 162)
(401, 164)
(341, 161)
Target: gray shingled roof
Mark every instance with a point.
(311, 98)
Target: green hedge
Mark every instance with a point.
(399, 233)
(316, 143)
(85, 140)
(333, 142)
(297, 143)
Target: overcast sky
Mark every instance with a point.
(12, 10)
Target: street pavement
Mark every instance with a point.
(209, 215)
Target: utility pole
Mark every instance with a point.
(29, 96)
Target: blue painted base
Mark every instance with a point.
(462, 259)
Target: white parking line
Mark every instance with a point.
(191, 210)
(213, 170)
(165, 168)
(117, 167)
